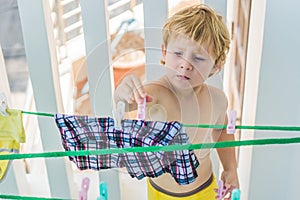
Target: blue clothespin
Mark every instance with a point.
(103, 191)
(236, 194)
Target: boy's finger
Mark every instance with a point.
(130, 99)
(139, 87)
(138, 98)
(228, 193)
(149, 98)
(127, 94)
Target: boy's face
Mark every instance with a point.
(188, 64)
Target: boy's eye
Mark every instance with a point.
(198, 58)
(178, 53)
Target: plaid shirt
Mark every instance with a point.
(89, 133)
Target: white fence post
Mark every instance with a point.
(100, 73)
(42, 63)
(155, 14)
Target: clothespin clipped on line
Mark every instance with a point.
(3, 104)
(118, 114)
(84, 189)
(222, 190)
(103, 191)
(236, 194)
(231, 122)
(141, 113)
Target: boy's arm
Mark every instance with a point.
(227, 155)
(131, 91)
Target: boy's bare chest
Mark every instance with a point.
(190, 110)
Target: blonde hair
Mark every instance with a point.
(203, 25)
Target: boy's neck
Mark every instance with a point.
(185, 93)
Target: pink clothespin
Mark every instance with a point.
(141, 113)
(84, 188)
(3, 104)
(231, 121)
(222, 190)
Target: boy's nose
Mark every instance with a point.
(186, 65)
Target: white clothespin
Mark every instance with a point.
(3, 104)
(84, 188)
(141, 113)
(231, 122)
(118, 114)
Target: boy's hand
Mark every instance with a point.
(231, 182)
(131, 90)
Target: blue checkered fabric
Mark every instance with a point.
(90, 133)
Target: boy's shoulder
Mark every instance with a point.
(216, 92)
(158, 86)
(217, 95)
(159, 92)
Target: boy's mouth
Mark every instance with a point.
(183, 77)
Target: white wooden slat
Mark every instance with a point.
(155, 14)
(100, 74)
(9, 183)
(15, 180)
(42, 64)
(275, 65)
(98, 58)
(4, 84)
(255, 50)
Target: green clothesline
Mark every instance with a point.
(38, 113)
(224, 144)
(270, 128)
(4, 196)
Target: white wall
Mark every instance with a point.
(275, 172)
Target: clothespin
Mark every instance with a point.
(236, 194)
(141, 113)
(222, 189)
(84, 188)
(103, 191)
(231, 122)
(118, 114)
(3, 104)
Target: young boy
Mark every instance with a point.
(195, 43)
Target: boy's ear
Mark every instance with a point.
(216, 69)
(163, 50)
(218, 66)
